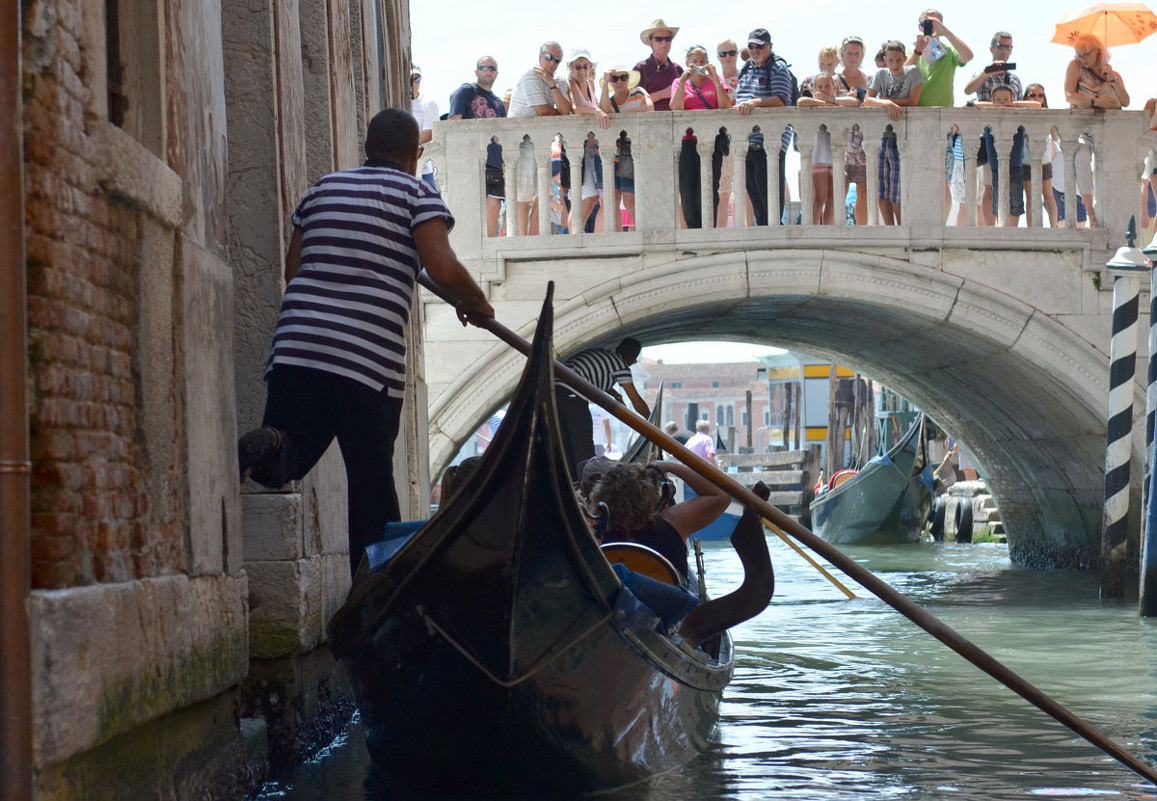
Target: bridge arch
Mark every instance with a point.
(1026, 387)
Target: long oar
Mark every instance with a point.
(779, 533)
(868, 580)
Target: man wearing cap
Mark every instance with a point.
(764, 82)
(659, 72)
(425, 111)
(477, 101)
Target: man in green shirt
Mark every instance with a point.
(938, 59)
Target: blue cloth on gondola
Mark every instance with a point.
(881, 459)
(650, 604)
(397, 535)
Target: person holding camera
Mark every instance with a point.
(996, 75)
(938, 59)
(698, 88)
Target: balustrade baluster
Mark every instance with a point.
(872, 151)
(1036, 181)
(775, 210)
(968, 139)
(576, 152)
(739, 196)
(1003, 146)
(676, 153)
(1069, 144)
(807, 182)
(509, 143)
(542, 162)
(612, 217)
(839, 199)
(705, 148)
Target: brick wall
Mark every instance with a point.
(91, 521)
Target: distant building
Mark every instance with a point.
(713, 392)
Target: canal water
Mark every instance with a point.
(845, 699)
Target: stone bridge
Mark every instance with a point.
(1001, 334)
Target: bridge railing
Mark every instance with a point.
(1117, 141)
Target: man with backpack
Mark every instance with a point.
(764, 82)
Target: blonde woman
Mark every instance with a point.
(1091, 83)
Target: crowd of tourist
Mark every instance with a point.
(754, 76)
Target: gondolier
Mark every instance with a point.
(337, 367)
(604, 368)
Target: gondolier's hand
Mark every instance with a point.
(477, 309)
(615, 394)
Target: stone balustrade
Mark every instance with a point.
(1120, 141)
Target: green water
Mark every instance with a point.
(845, 699)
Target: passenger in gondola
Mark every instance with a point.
(632, 497)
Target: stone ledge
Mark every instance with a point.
(110, 657)
(128, 169)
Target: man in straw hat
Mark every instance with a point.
(658, 71)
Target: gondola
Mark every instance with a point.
(888, 501)
(497, 651)
(641, 450)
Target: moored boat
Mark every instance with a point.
(498, 653)
(887, 501)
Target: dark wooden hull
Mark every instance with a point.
(487, 656)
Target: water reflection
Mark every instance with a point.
(845, 699)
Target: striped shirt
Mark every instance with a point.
(346, 310)
(603, 368)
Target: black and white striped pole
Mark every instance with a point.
(1148, 600)
(1127, 267)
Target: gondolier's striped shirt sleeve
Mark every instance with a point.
(346, 310)
(603, 368)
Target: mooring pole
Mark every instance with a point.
(1147, 605)
(1126, 267)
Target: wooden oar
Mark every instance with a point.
(779, 533)
(864, 577)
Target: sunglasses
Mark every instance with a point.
(415, 77)
(551, 57)
(580, 66)
(727, 53)
(1035, 96)
(617, 78)
(757, 45)
(487, 68)
(662, 38)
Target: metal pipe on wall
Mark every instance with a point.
(15, 467)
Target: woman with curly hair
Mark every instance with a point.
(631, 494)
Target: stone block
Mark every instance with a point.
(305, 701)
(325, 500)
(109, 657)
(194, 753)
(210, 424)
(273, 524)
(285, 599)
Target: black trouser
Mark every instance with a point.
(577, 427)
(689, 184)
(311, 407)
(757, 183)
